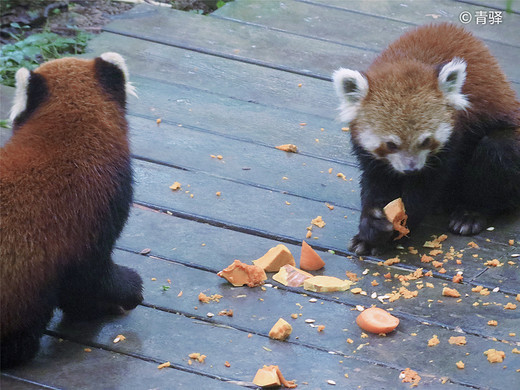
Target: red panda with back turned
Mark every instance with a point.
(433, 120)
(65, 193)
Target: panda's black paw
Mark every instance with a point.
(467, 223)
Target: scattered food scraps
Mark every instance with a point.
(197, 356)
(352, 276)
(326, 284)
(280, 330)
(457, 340)
(509, 306)
(227, 312)
(460, 364)
(433, 341)
(492, 322)
(291, 148)
(270, 376)
(275, 258)
(119, 338)
(206, 299)
(410, 376)
(175, 186)
(321, 328)
(393, 260)
(318, 221)
(239, 274)
(458, 278)
(291, 276)
(396, 214)
(494, 356)
(376, 320)
(309, 259)
(450, 292)
(163, 365)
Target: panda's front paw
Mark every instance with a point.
(467, 223)
(375, 232)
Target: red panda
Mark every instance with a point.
(65, 194)
(433, 120)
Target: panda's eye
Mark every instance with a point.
(391, 146)
(426, 142)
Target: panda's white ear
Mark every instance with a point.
(117, 60)
(451, 79)
(351, 87)
(20, 96)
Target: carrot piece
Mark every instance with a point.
(309, 259)
(396, 213)
(376, 320)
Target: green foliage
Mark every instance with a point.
(220, 3)
(36, 49)
(5, 123)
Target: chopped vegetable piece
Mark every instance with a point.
(275, 258)
(494, 356)
(281, 330)
(460, 364)
(450, 292)
(309, 259)
(291, 276)
(457, 340)
(288, 148)
(410, 376)
(270, 376)
(326, 284)
(239, 274)
(396, 214)
(376, 320)
(163, 365)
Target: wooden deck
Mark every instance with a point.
(253, 75)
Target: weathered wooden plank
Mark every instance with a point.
(238, 41)
(171, 337)
(411, 12)
(257, 310)
(265, 212)
(211, 249)
(245, 162)
(233, 79)
(13, 383)
(310, 19)
(236, 119)
(496, 4)
(66, 365)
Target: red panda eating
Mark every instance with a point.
(434, 121)
(65, 194)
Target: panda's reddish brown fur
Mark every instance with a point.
(435, 121)
(65, 191)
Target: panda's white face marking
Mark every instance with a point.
(117, 60)
(20, 97)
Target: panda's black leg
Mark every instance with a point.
(99, 288)
(490, 182)
(21, 346)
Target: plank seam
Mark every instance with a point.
(17, 378)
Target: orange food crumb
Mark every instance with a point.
(510, 306)
(458, 278)
(227, 364)
(318, 221)
(288, 148)
(158, 121)
(450, 292)
(493, 263)
(163, 365)
(352, 276)
(175, 186)
(374, 283)
(426, 259)
(433, 341)
(435, 252)
(227, 312)
(457, 340)
(494, 356)
(239, 274)
(460, 365)
(393, 260)
(321, 328)
(269, 376)
(437, 264)
(410, 376)
(473, 245)
(206, 299)
(388, 276)
(511, 242)
(197, 356)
